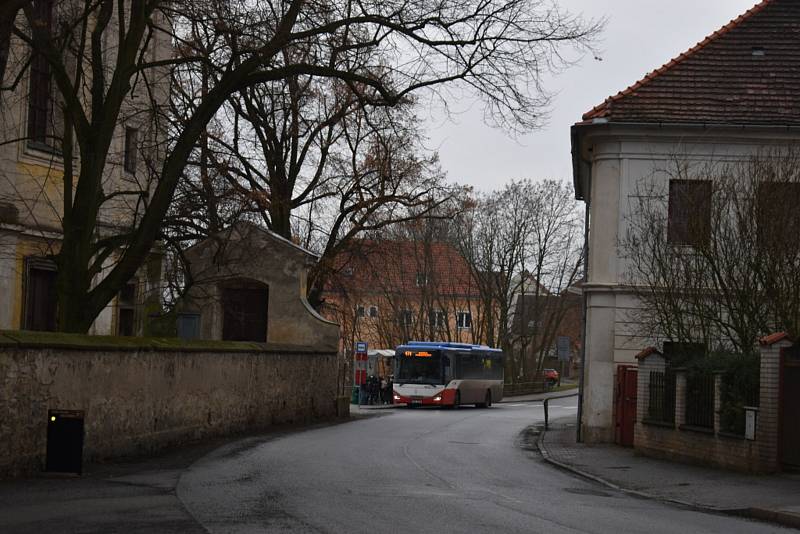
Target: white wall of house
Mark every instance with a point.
(622, 159)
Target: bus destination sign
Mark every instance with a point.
(419, 354)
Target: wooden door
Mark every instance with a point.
(244, 313)
(626, 385)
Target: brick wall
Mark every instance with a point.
(138, 399)
(712, 447)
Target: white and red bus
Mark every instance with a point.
(447, 374)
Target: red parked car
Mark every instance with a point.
(550, 377)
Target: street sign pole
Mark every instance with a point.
(563, 344)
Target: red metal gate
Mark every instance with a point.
(625, 404)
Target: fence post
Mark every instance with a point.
(546, 415)
(717, 401)
(680, 398)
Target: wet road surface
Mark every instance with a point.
(420, 471)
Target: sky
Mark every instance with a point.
(640, 36)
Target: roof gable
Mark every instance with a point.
(748, 72)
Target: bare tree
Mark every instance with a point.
(524, 246)
(104, 59)
(711, 253)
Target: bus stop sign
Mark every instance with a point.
(360, 368)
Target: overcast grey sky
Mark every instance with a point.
(641, 35)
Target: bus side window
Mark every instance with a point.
(471, 366)
(497, 367)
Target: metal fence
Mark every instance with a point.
(661, 407)
(735, 394)
(700, 400)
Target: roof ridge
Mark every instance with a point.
(602, 109)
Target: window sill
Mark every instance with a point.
(731, 436)
(43, 148)
(654, 422)
(698, 429)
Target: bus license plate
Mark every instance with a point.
(416, 400)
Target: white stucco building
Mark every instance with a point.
(736, 92)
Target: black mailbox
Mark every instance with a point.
(64, 441)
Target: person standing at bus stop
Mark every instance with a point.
(384, 391)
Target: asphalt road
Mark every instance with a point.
(419, 471)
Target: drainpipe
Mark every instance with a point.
(581, 379)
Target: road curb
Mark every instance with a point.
(566, 393)
(777, 517)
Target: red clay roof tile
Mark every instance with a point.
(774, 338)
(748, 72)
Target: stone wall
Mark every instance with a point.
(139, 395)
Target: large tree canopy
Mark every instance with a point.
(117, 60)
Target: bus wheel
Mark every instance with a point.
(487, 400)
(457, 401)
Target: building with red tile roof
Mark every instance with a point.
(733, 95)
(389, 292)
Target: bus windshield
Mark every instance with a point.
(419, 367)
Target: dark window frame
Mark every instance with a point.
(406, 317)
(437, 319)
(40, 96)
(689, 212)
(131, 151)
(126, 305)
(27, 319)
(464, 320)
(778, 213)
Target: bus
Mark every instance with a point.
(447, 374)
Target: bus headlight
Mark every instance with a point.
(437, 398)
(397, 397)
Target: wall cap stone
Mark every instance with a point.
(774, 338)
(60, 340)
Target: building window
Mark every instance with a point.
(437, 319)
(464, 320)
(131, 148)
(188, 325)
(360, 311)
(778, 217)
(126, 310)
(689, 212)
(422, 279)
(40, 296)
(40, 102)
(373, 311)
(406, 317)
